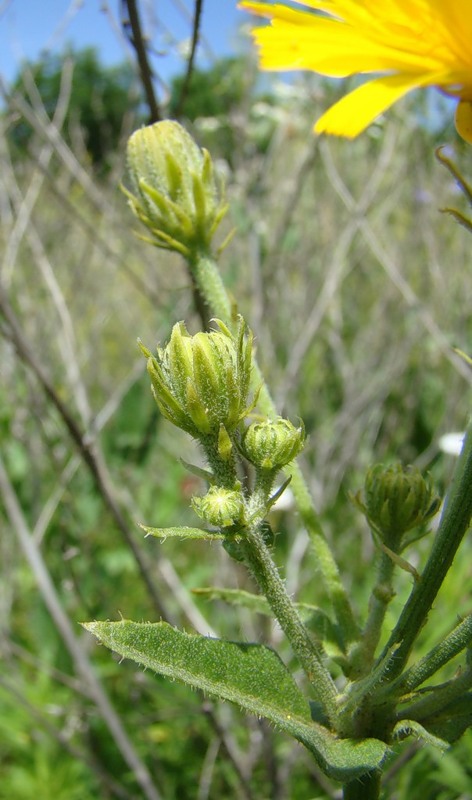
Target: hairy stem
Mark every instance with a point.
(308, 652)
(454, 643)
(381, 596)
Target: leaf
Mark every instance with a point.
(236, 597)
(183, 532)
(315, 617)
(250, 675)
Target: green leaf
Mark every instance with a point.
(236, 597)
(184, 533)
(250, 675)
(315, 617)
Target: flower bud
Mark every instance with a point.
(219, 507)
(397, 499)
(201, 382)
(174, 192)
(272, 444)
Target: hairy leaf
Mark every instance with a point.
(183, 533)
(315, 617)
(250, 675)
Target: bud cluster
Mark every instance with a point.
(173, 188)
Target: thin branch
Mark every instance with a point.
(137, 40)
(191, 58)
(42, 125)
(387, 261)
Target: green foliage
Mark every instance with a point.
(214, 97)
(214, 92)
(102, 101)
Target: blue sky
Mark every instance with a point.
(28, 27)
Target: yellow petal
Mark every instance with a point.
(299, 40)
(463, 120)
(354, 112)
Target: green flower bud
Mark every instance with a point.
(173, 188)
(201, 382)
(270, 445)
(397, 499)
(219, 507)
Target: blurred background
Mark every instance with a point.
(357, 287)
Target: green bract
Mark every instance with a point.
(201, 382)
(271, 444)
(219, 507)
(173, 188)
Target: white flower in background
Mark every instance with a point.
(451, 443)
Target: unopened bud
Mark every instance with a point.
(396, 499)
(219, 507)
(201, 382)
(173, 188)
(272, 444)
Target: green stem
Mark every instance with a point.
(381, 596)
(309, 653)
(224, 470)
(453, 526)
(365, 788)
(454, 643)
(437, 699)
(207, 277)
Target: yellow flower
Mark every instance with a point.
(403, 44)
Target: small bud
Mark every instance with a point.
(173, 188)
(396, 499)
(270, 445)
(219, 507)
(201, 382)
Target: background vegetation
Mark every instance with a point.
(356, 287)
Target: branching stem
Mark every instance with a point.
(206, 275)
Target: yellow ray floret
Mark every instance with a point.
(399, 45)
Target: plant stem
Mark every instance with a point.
(325, 562)
(453, 526)
(206, 275)
(365, 788)
(438, 698)
(309, 653)
(457, 640)
(223, 469)
(381, 596)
